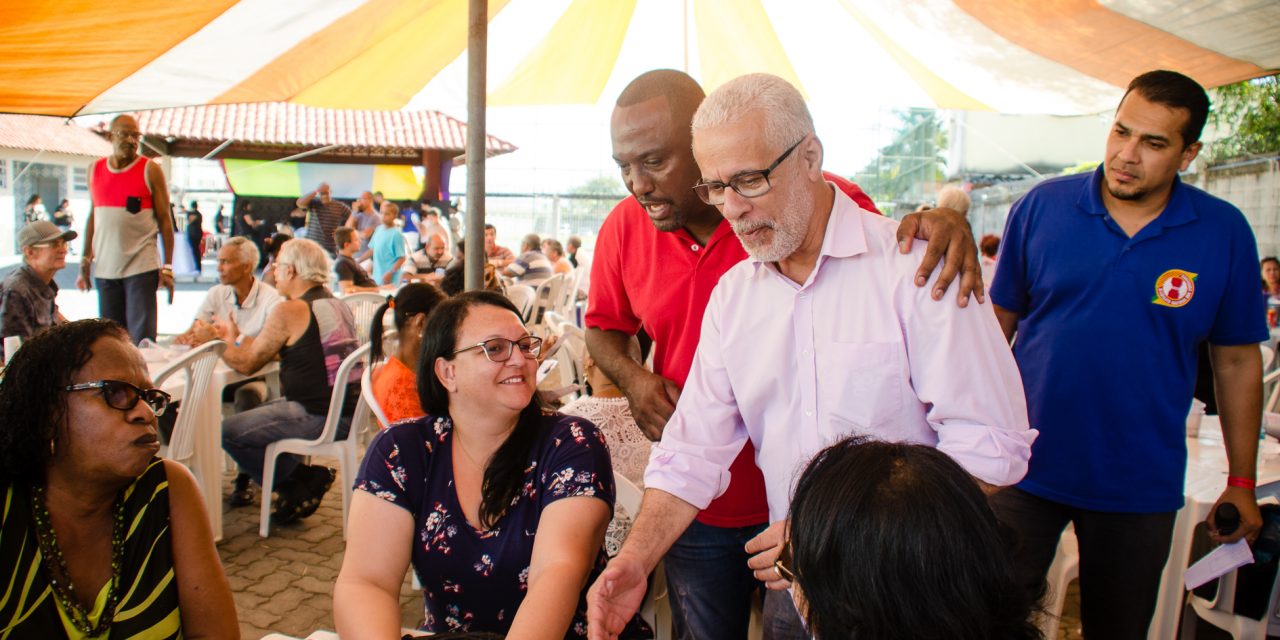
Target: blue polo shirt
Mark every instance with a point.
(1108, 331)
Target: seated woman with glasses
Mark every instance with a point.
(98, 536)
(895, 540)
(500, 506)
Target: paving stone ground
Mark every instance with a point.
(284, 583)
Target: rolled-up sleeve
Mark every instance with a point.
(963, 371)
(706, 433)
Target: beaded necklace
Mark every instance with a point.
(56, 566)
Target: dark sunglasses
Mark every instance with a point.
(124, 396)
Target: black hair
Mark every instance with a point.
(682, 92)
(410, 300)
(1172, 89)
(276, 242)
(489, 226)
(505, 474)
(32, 399)
(894, 540)
(32, 199)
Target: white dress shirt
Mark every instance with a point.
(250, 316)
(858, 349)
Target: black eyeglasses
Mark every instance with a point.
(749, 184)
(499, 349)
(124, 396)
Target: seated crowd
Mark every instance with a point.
(895, 470)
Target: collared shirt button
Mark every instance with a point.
(694, 247)
(805, 352)
(808, 413)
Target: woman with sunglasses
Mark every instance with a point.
(97, 535)
(500, 506)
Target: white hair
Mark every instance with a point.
(245, 249)
(308, 259)
(954, 198)
(786, 117)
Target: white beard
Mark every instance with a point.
(788, 230)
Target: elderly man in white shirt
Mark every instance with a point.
(244, 299)
(820, 334)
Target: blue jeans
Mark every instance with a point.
(245, 436)
(709, 582)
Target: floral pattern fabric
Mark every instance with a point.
(475, 580)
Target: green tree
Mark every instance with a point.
(1249, 112)
(912, 164)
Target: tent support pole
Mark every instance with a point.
(477, 44)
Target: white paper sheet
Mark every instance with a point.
(1217, 563)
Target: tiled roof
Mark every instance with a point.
(281, 123)
(44, 133)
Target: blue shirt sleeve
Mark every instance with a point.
(1009, 284)
(1242, 316)
(575, 462)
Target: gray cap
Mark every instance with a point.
(42, 231)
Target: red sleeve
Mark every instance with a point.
(608, 307)
(853, 191)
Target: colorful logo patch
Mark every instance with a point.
(1174, 288)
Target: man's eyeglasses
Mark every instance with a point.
(783, 563)
(60, 243)
(749, 184)
(499, 349)
(124, 396)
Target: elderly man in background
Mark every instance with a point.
(554, 251)
(311, 332)
(531, 267)
(856, 347)
(28, 295)
(129, 208)
(324, 215)
(428, 263)
(241, 297)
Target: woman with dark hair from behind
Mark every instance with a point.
(500, 506)
(894, 540)
(395, 384)
(98, 536)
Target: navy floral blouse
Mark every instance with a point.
(475, 580)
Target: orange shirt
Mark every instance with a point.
(395, 387)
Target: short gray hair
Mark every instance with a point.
(308, 259)
(245, 249)
(954, 198)
(786, 117)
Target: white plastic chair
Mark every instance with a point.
(546, 298)
(197, 365)
(366, 393)
(362, 305)
(1268, 356)
(568, 298)
(1217, 612)
(656, 607)
(573, 348)
(521, 295)
(1065, 568)
(326, 444)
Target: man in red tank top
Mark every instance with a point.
(130, 206)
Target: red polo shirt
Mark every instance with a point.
(662, 281)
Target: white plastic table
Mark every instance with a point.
(1205, 481)
(207, 464)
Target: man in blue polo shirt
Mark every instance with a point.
(1110, 281)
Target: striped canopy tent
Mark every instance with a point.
(71, 57)
(74, 57)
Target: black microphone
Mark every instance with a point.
(1227, 517)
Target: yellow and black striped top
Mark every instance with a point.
(149, 599)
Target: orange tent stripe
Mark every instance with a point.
(1098, 42)
(57, 56)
